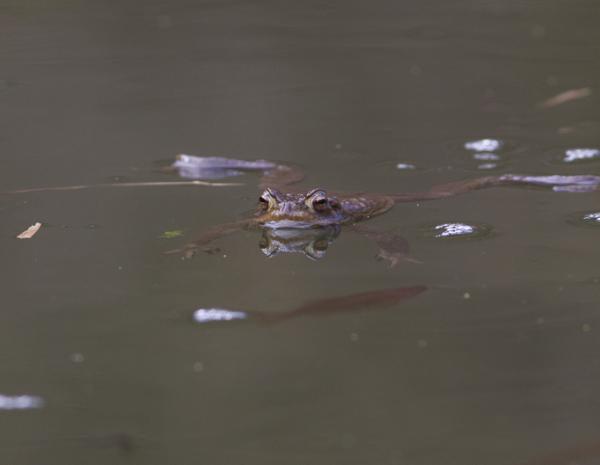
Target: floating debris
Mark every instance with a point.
(453, 229)
(487, 166)
(585, 219)
(486, 156)
(568, 96)
(456, 231)
(579, 154)
(207, 315)
(171, 234)
(193, 167)
(23, 402)
(592, 217)
(406, 166)
(30, 231)
(484, 145)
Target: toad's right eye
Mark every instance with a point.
(263, 202)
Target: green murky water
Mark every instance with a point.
(495, 363)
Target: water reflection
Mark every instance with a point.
(127, 83)
(487, 156)
(312, 243)
(487, 166)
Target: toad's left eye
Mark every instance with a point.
(263, 202)
(320, 203)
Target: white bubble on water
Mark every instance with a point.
(577, 154)
(23, 402)
(592, 217)
(484, 145)
(206, 315)
(453, 229)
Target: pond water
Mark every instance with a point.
(101, 359)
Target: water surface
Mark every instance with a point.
(496, 363)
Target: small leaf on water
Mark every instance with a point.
(30, 231)
(171, 234)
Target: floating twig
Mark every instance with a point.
(567, 96)
(126, 184)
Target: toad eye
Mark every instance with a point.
(320, 204)
(263, 202)
(268, 200)
(316, 200)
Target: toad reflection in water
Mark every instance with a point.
(313, 242)
(308, 221)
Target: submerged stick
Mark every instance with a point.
(126, 184)
(347, 303)
(359, 301)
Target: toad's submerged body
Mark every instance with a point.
(279, 208)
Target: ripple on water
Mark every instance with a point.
(457, 230)
(486, 156)
(585, 219)
(487, 166)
